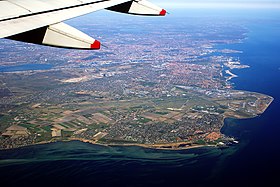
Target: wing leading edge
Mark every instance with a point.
(40, 21)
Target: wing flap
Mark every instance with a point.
(23, 23)
(39, 21)
(62, 35)
(139, 7)
(58, 35)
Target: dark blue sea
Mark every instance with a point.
(252, 162)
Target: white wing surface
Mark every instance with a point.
(39, 21)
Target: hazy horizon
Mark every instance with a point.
(245, 4)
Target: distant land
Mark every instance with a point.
(147, 91)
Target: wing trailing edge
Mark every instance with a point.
(58, 35)
(26, 15)
(40, 21)
(138, 7)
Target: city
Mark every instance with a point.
(146, 90)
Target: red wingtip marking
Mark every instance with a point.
(96, 45)
(162, 13)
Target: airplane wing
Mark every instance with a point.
(40, 21)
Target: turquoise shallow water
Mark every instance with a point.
(83, 164)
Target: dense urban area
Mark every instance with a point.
(145, 88)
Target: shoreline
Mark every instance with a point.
(231, 75)
(160, 146)
(173, 146)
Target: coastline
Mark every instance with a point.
(231, 75)
(167, 146)
(160, 146)
(147, 146)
